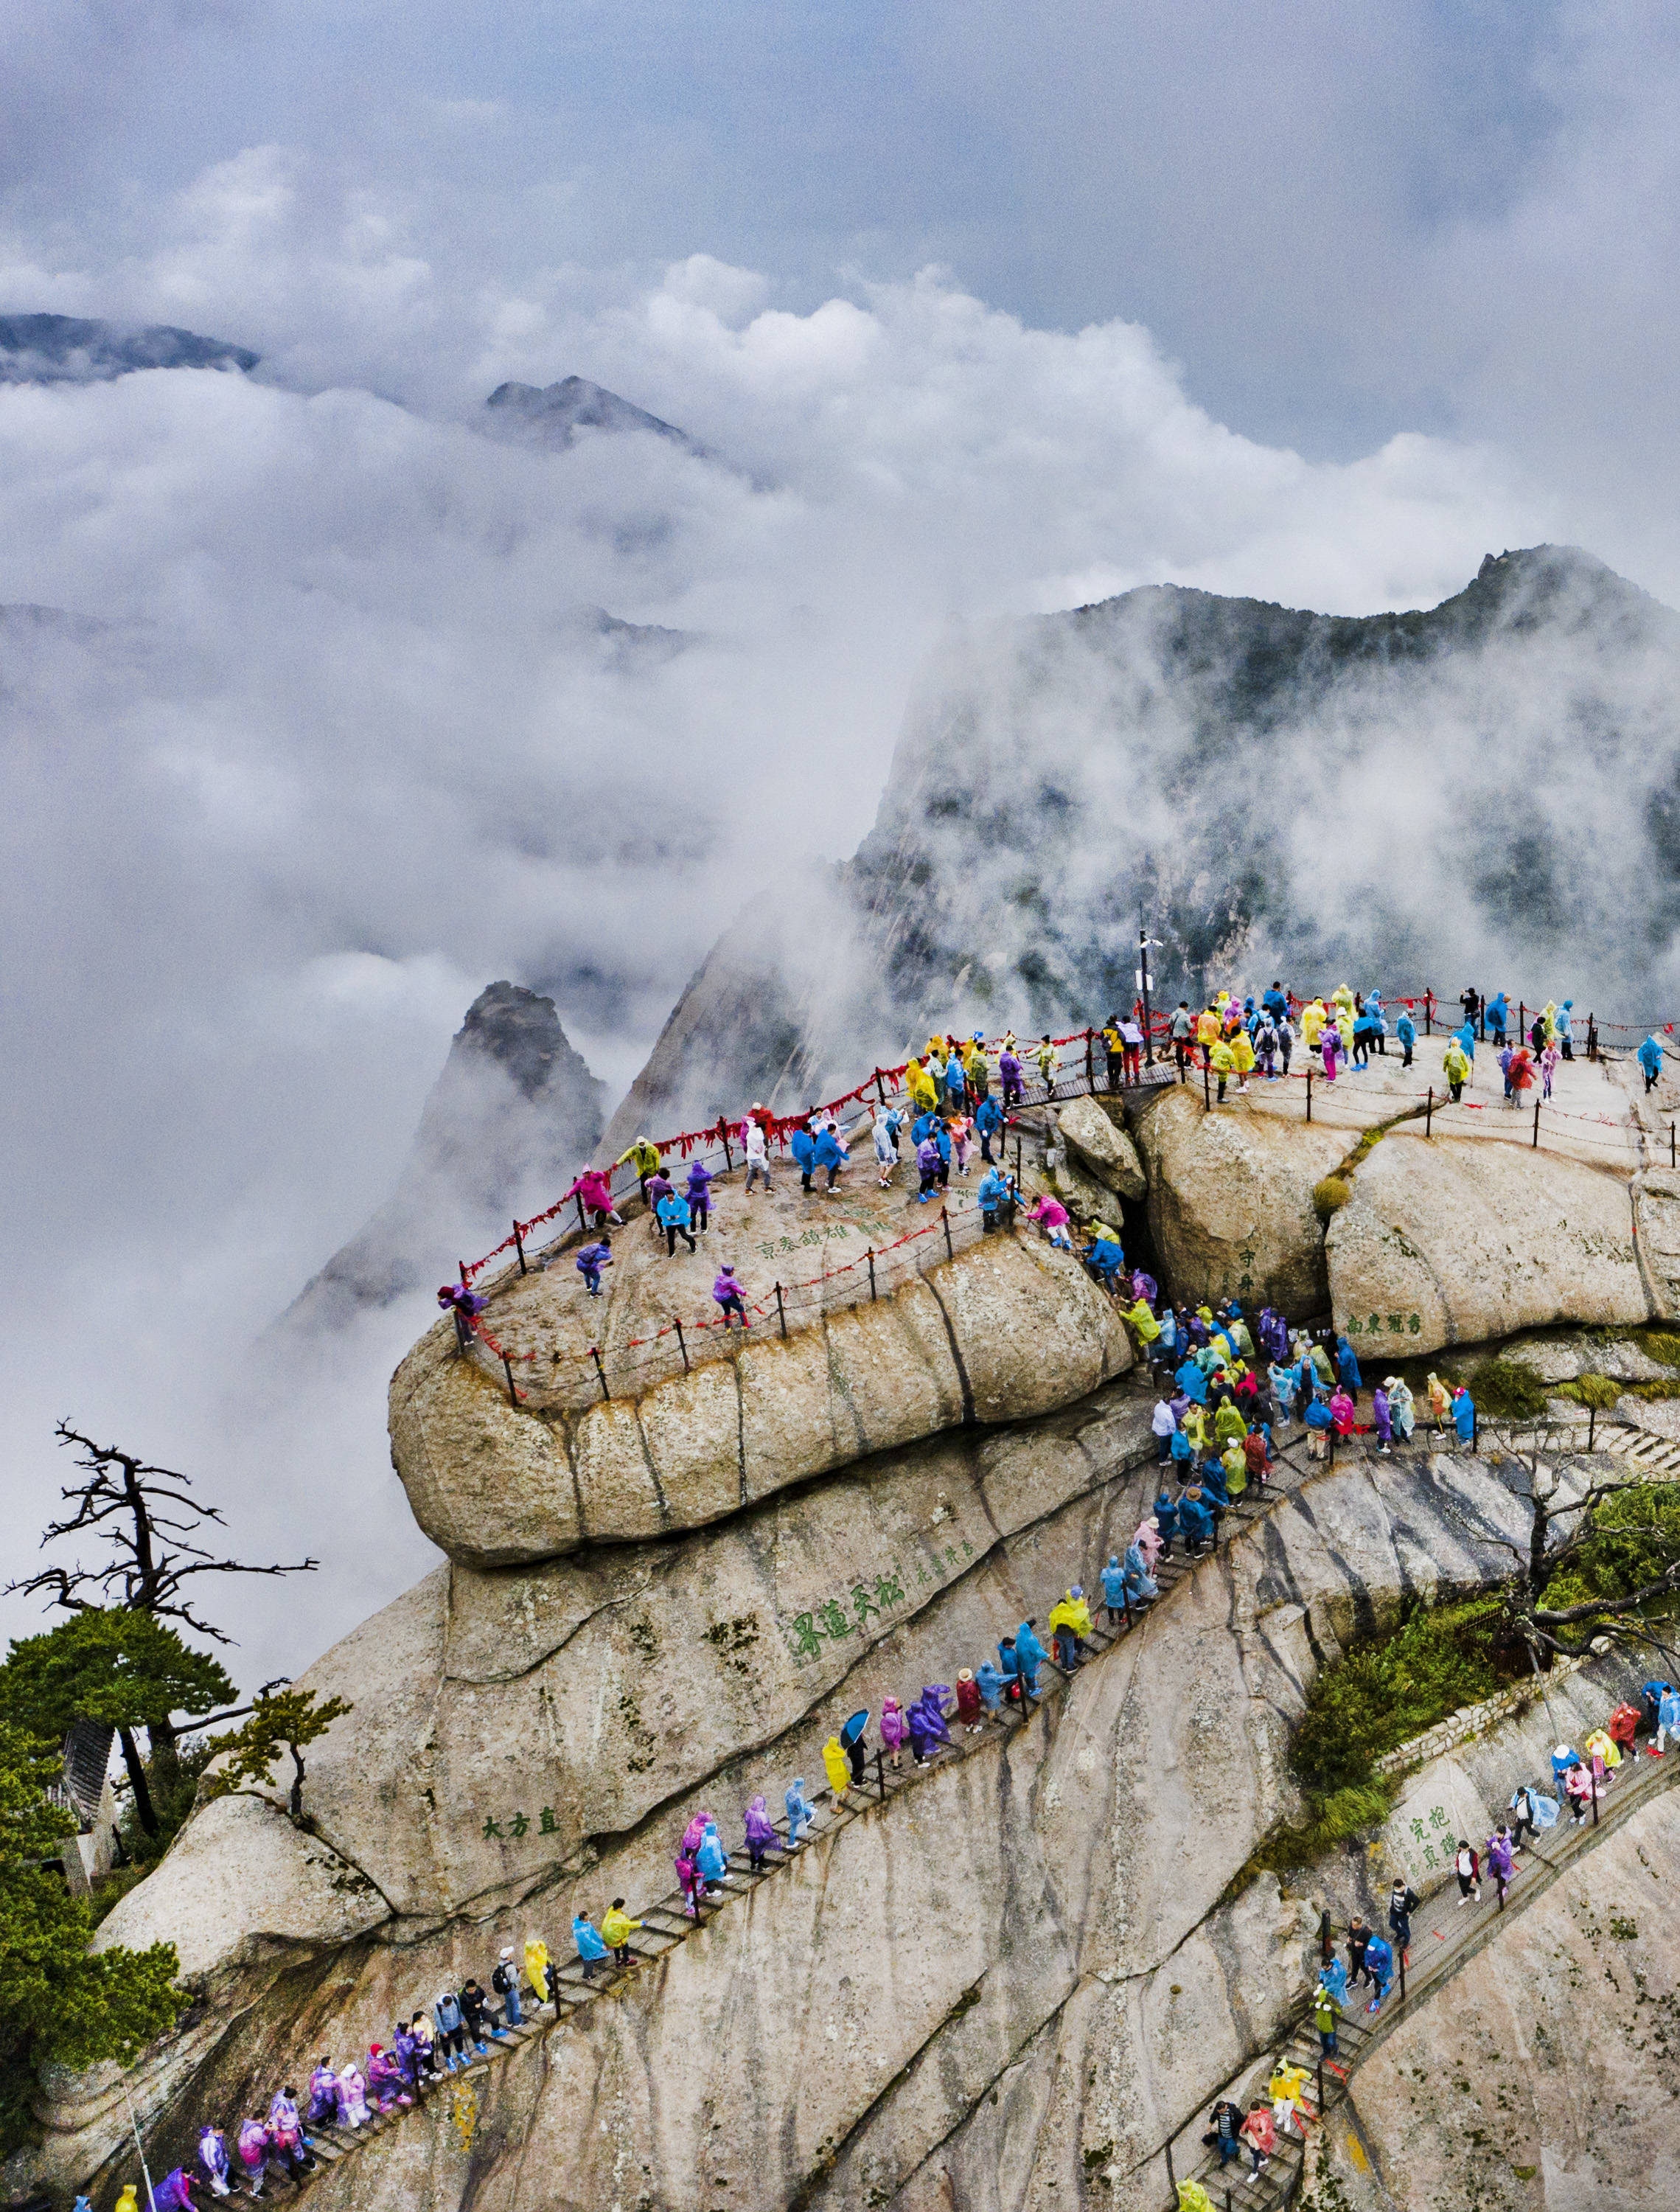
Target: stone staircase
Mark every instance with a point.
(667, 1923)
(1445, 1937)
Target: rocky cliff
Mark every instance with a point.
(1395, 798)
(509, 1122)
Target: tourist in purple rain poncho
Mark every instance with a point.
(927, 1721)
(172, 2191)
(760, 1834)
(323, 2093)
(352, 2097)
(1500, 1859)
(254, 2152)
(1383, 1416)
(213, 2157)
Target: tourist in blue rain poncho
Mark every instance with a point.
(1465, 1040)
(1114, 1586)
(1566, 1042)
(991, 1685)
(1166, 1516)
(1140, 1586)
(1498, 1016)
(712, 1859)
(1334, 1980)
(1196, 1520)
(799, 1813)
(1380, 1957)
(1192, 1381)
(988, 1124)
(1651, 1061)
(591, 1949)
(1029, 1656)
(802, 1145)
(956, 1083)
(1406, 1030)
(1463, 1415)
(1347, 1366)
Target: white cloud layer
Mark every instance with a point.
(344, 750)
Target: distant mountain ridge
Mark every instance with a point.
(1491, 785)
(513, 1116)
(73, 349)
(552, 415)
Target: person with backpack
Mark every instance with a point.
(727, 1291)
(1468, 1868)
(505, 1981)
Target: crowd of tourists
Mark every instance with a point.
(1283, 2108)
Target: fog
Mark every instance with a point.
(333, 736)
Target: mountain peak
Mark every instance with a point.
(552, 415)
(74, 350)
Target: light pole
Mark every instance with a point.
(1144, 941)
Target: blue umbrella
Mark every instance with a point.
(855, 1728)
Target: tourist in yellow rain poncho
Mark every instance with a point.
(833, 1760)
(616, 1930)
(128, 2201)
(1312, 1019)
(1195, 1426)
(1208, 1026)
(1284, 2089)
(1242, 1051)
(1143, 1320)
(1549, 1022)
(1070, 1626)
(1234, 1460)
(1224, 1062)
(1343, 997)
(924, 1091)
(1228, 1424)
(537, 1966)
(1440, 1402)
(1045, 1053)
(1455, 1066)
(1192, 2197)
(936, 1052)
(973, 1064)
(1601, 1745)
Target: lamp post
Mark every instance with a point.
(1144, 941)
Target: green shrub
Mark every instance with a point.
(1507, 1390)
(1600, 1391)
(1330, 1196)
(1330, 1821)
(1661, 1346)
(1635, 1534)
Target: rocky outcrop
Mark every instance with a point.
(1008, 1328)
(1230, 1202)
(1462, 1240)
(512, 1118)
(1102, 1147)
(1043, 1922)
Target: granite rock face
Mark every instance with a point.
(1230, 1202)
(1103, 1149)
(1008, 1329)
(1479, 1238)
(1043, 1920)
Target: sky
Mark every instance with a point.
(978, 311)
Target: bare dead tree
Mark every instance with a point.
(149, 1518)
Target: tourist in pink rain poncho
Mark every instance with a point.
(352, 2097)
(1148, 1540)
(894, 1729)
(254, 2153)
(594, 1188)
(1051, 1216)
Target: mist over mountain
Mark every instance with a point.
(514, 1107)
(1487, 789)
(75, 350)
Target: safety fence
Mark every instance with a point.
(546, 1377)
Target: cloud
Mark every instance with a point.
(344, 750)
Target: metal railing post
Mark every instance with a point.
(945, 1218)
(1429, 1110)
(519, 1247)
(871, 1256)
(1536, 1145)
(1309, 1094)
(1592, 1416)
(880, 1087)
(682, 1345)
(1207, 1088)
(600, 1368)
(880, 1774)
(507, 1368)
(1401, 1956)
(781, 1315)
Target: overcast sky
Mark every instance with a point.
(985, 309)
